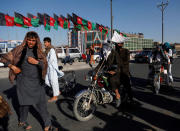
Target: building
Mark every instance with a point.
(84, 39)
(138, 44)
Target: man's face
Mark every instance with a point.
(47, 44)
(120, 44)
(31, 42)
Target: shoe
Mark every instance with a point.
(50, 128)
(118, 102)
(25, 126)
(53, 99)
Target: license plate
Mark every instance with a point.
(165, 71)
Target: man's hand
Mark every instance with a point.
(33, 61)
(112, 72)
(14, 68)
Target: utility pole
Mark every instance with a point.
(111, 20)
(162, 7)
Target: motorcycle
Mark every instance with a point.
(99, 92)
(159, 76)
(66, 83)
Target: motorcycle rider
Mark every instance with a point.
(157, 56)
(169, 54)
(120, 56)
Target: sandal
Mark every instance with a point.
(50, 128)
(25, 125)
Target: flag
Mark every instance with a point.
(34, 20)
(69, 17)
(56, 22)
(89, 25)
(31, 16)
(105, 30)
(62, 23)
(27, 21)
(99, 27)
(56, 17)
(85, 24)
(78, 27)
(18, 20)
(52, 21)
(41, 18)
(21, 21)
(56, 25)
(93, 26)
(9, 20)
(77, 19)
(65, 20)
(47, 22)
(2, 19)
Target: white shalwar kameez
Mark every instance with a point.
(53, 72)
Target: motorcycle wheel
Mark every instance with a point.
(81, 110)
(156, 84)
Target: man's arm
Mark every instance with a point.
(6, 60)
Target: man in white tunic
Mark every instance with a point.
(53, 72)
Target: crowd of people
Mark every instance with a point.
(31, 68)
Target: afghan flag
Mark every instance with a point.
(2, 19)
(78, 27)
(53, 22)
(99, 27)
(47, 22)
(89, 25)
(93, 26)
(6, 20)
(63, 22)
(85, 24)
(41, 18)
(21, 21)
(65, 19)
(69, 17)
(34, 20)
(27, 21)
(77, 19)
(9, 20)
(56, 22)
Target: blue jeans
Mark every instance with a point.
(66, 59)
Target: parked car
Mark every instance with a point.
(143, 56)
(73, 52)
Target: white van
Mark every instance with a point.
(6, 47)
(73, 52)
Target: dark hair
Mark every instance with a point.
(32, 34)
(48, 39)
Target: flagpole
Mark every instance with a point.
(111, 20)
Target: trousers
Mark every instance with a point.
(41, 108)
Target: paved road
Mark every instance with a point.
(149, 112)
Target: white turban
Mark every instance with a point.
(117, 38)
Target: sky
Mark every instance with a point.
(129, 16)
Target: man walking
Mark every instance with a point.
(28, 66)
(51, 78)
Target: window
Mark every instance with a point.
(2, 45)
(58, 50)
(73, 51)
